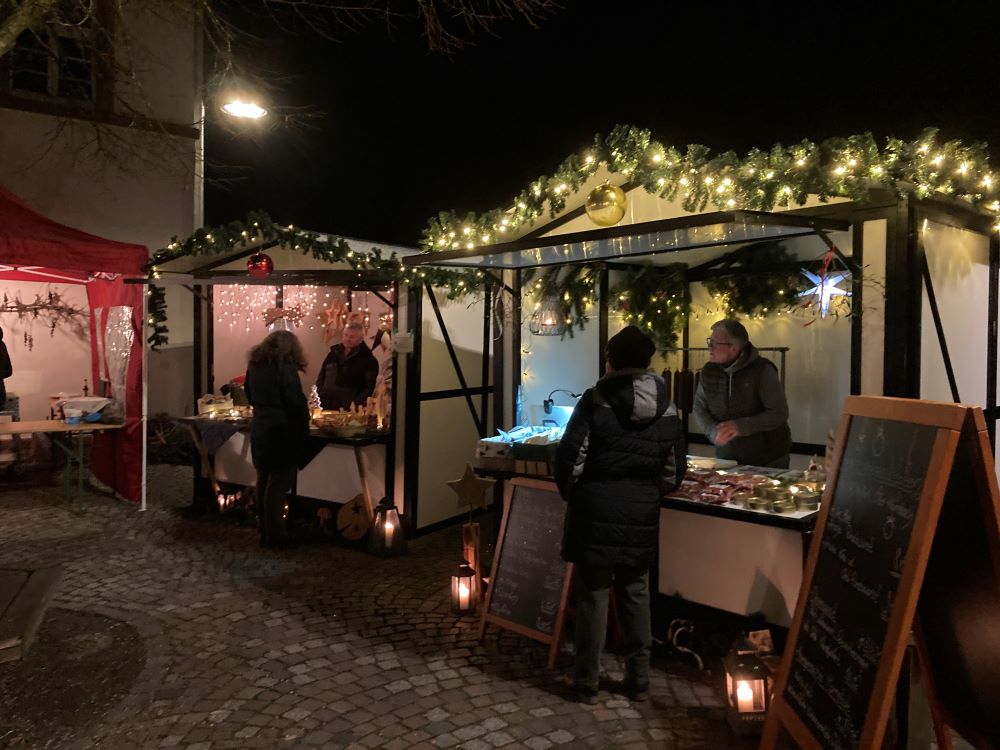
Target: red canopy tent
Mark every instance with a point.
(36, 248)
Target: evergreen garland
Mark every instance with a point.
(782, 177)
(751, 293)
(655, 298)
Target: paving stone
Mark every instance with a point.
(250, 648)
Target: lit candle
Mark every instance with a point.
(389, 531)
(463, 596)
(744, 697)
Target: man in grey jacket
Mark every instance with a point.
(740, 402)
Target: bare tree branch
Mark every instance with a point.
(17, 17)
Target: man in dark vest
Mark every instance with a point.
(740, 402)
(349, 371)
(622, 451)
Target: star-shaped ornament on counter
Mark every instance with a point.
(825, 288)
(471, 490)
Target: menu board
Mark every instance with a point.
(908, 540)
(529, 583)
(857, 576)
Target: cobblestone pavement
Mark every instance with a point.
(176, 633)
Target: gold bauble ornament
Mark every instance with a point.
(606, 205)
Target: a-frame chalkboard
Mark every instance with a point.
(529, 583)
(908, 537)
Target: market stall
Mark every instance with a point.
(686, 240)
(430, 354)
(43, 267)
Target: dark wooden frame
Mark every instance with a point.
(487, 617)
(950, 421)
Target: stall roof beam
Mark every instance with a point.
(278, 278)
(634, 240)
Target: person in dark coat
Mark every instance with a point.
(622, 451)
(6, 370)
(349, 371)
(279, 427)
(740, 402)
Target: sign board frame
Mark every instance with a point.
(950, 422)
(489, 618)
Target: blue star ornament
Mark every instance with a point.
(824, 289)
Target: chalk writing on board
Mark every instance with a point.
(857, 574)
(530, 574)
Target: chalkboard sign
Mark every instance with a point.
(902, 523)
(529, 582)
(857, 576)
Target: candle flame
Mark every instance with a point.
(743, 691)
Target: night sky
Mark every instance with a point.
(401, 133)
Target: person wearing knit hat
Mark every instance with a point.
(623, 449)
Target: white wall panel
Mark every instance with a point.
(959, 269)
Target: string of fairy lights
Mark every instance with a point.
(782, 176)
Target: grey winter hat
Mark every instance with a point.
(630, 348)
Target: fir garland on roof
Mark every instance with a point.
(783, 176)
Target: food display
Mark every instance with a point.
(748, 487)
(348, 422)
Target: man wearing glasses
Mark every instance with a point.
(740, 402)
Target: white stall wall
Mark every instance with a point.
(237, 326)
(448, 435)
(959, 263)
(551, 362)
(56, 363)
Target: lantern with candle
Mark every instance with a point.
(462, 582)
(387, 538)
(748, 684)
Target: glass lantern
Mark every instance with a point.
(748, 684)
(547, 318)
(387, 538)
(462, 582)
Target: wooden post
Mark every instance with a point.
(470, 552)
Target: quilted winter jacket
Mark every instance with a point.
(622, 451)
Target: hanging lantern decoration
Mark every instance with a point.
(462, 586)
(260, 265)
(606, 205)
(387, 538)
(549, 318)
(748, 685)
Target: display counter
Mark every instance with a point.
(726, 556)
(331, 468)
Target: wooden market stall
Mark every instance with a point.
(433, 354)
(922, 266)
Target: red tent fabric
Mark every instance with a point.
(27, 238)
(33, 247)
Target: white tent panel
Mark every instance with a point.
(959, 263)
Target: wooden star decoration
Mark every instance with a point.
(471, 490)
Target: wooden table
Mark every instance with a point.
(58, 431)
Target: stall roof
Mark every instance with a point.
(205, 266)
(632, 241)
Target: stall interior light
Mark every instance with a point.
(244, 110)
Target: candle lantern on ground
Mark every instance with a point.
(387, 538)
(462, 581)
(748, 685)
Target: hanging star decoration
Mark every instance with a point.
(824, 289)
(471, 490)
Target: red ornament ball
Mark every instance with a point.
(260, 265)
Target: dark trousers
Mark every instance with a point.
(631, 585)
(272, 488)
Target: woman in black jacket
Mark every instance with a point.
(279, 428)
(622, 451)
(5, 370)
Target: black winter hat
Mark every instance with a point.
(630, 348)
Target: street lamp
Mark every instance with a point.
(243, 109)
